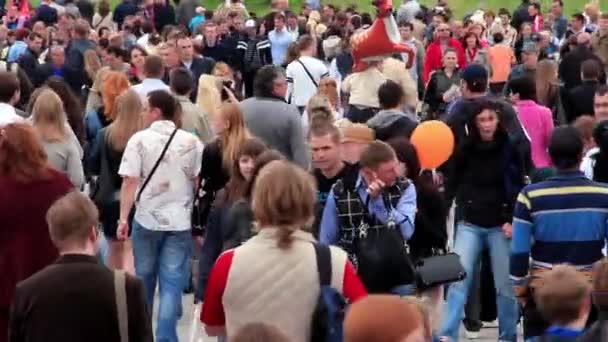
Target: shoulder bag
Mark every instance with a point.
(147, 180)
(308, 73)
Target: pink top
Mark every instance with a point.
(537, 121)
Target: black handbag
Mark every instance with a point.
(147, 180)
(438, 270)
(383, 262)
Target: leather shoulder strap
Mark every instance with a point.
(160, 158)
(121, 305)
(323, 263)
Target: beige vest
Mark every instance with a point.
(278, 287)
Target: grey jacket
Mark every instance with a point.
(279, 125)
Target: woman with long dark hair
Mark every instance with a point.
(71, 105)
(487, 173)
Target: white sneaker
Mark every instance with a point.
(493, 324)
(471, 335)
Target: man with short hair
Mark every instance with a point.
(279, 39)
(9, 96)
(560, 22)
(28, 61)
(406, 29)
(196, 65)
(273, 120)
(599, 40)
(46, 13)
(521, 15)
(570, 65)
(79, 44)
(577, 25)
(78, 287)
(154, 72)
(328, 166)
(170, 56)
(391, 121)
(58, 67)
(600, 103)
(580, 98)
(378, 190)
(558, 221)
(304, 74)
(193, 118)
(162, 241)
(253, 52)
(527, 68)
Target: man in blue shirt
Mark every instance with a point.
(562, 220)
(560, 24)
(279, 39)
(377, 191)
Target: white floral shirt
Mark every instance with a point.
(166, 202)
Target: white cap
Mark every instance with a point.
(250, 23)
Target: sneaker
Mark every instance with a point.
(471, 335)
(493, 324)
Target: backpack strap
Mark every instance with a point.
(120, 296)
(323, 263)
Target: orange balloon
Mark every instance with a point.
(434, 142)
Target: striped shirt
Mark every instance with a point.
(561, 220)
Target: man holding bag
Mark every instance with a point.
(371, 217)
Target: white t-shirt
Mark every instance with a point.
(588, 162)
(166, 202)
(8, 115)
(301, 87)
(147, 86)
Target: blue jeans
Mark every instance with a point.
(470, 240)
(164, 256)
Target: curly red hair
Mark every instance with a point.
(22, 156)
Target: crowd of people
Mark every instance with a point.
(152, 150)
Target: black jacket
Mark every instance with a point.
(163, 16)
(437, 86)
(570, 66)
(246, 51)
(28, 62)
(86, 9)
(124, 9)
(74, 300)
(521, 15)
(213, 178)
(74, 78)
(431, 232)
(580, 100)
(485, 178)
(200, 66)
(599, 329)
(46, 14)
(229, 226)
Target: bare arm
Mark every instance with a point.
(127, 199)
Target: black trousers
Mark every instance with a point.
(360, 114)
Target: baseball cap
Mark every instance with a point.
(250, 23)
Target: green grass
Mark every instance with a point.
(460, 7)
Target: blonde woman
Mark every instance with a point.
(283, 283)
(209, 98)
(50, 123)
(547, 90)
(114, 85)
(219, 156)
(92, 64)
(104, 162)
(318, 105)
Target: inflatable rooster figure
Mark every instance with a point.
(379, 41)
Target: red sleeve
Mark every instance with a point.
(352, 287)
(213, 310)
(428, 64)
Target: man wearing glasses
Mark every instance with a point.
(434, 53)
